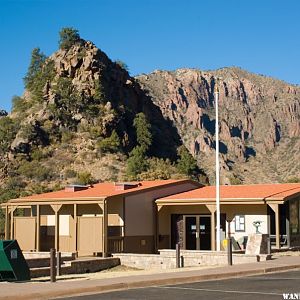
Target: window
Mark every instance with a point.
(240, 223)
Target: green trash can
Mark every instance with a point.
(13, 266)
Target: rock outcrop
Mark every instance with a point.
(259, 118)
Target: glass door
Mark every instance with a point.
(197, 232)
(205, 233)
(191, 233)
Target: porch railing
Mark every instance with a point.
(115, 244)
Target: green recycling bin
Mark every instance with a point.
(13, 266)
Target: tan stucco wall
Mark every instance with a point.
(252, 213)
(115, 211)
(139, 209)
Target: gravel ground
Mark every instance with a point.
(119, 271)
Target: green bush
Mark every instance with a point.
(34, 170)
(122, 64)
(159, 169)
(67, 136)
(19, 105)
(70, 173)
(186, 164)
(110, 144)
(136, 163)
(8, 131)
(85, 178)
(68, 37)
(37, 154)
(235, 180)
(293, 179)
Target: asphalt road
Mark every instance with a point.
(269, 286)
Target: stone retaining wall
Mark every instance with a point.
(167, 259)
(79, 267)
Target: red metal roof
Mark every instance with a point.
(256, 191)
(99, 190)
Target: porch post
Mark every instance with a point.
(103, 206)
(105, 222)
(6, 223)
(275, 208)
(37, 227)
(12, 222)
(212, 209)
(56, 208)
(155, 227)
(75, 228)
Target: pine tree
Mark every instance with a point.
(143, 131)
(186, 163)
(38, 58)
(68, 37)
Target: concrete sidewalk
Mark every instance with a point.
(46, 290)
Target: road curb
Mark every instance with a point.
(100, 288)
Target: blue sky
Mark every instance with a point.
(261, 36)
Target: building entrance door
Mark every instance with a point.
(197, 232)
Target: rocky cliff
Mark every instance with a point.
(259, 120)
(75, 100)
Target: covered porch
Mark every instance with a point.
(83, 227)
(192, 222)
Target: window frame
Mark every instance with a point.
(237, 228)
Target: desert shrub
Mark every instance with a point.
(235, 180)
(19, 104)
(70, 173)
(37, 154)
(159, 169)
(67, 136)
(110, 144)
(122, 64)
(293, 179)
(85, 178)
(34, 170)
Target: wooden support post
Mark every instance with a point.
(75, 229)
(6, 223)
(155, 228)
(212, 209)
(102, 205)
(56, 208)
(52, 265)
(275, 208)
(12, 222)
(56, 235)
(38, 227)
(105, 222)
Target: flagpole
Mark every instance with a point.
(218, 238)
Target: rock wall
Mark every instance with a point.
(259, 119)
